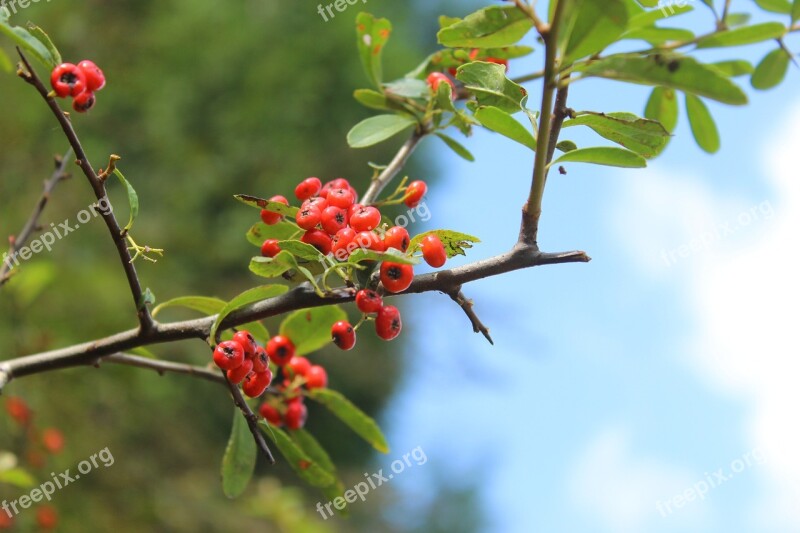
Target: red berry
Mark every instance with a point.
(228, 355)
(247, 341)
(397, 238)
(6, 520)
(343, 334)
(53, 440)
(388, 324)
(437, 78)
(256, 383)
(271, 414)
(497, 61)
(68, 80)
(370, 241)
(95, 79)
(46, 517)
(317, 201)
(84, 102)
(316, 378)
(355, 194)
(308, 217)
(260, 360)
(307, 188)
(270, 217)
(341, 243)
(236, 375)
(353, 210)
(299, 365)
(343, 198)
(296, 415)
(368, 301)
(340, 183)
(318, 239)
(414, 193)
(333, 219)
(270, 248)
(433, 251)
(365, 219)
(280, 350)
(396, 277)
(18, 410)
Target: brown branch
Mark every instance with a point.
(251, 418)
(394, 167)
(520, 257)
(32, 224)
(163, 367)
(146, 321)
(467, 305)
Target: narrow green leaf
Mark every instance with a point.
(737, 19)
(648, 18)
(608, 156)
(663, 107)
(783, 7)
(455, 243)
(43, 38)
(771, 70)
(503, 123)
(272, 267)
(310, 329)
(260, 203)
(644, 136)
(377, 129)
(247, 297)
(702, 123)
(795, 11)
(657, 36)
(352, 416)
(203, 304)
(281, 231)
(566, 146)
(408, 88)
(372, 99)
(313, 449)
(373, 34)
(491, 27)
(302, 250)
(741, 36)
(303, 465)
(27, 42)
(596, 26)
(392, 255)
(490, 85)
(143, 352)
(239, 461)
(133, 199)
(456, 147)
(5, 62)
(733, 68)
(17, 477)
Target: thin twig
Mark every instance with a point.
(146, 321)
(396, 165)
(526, 8)
(251, 418)
(163, 367)
(31, 225)
(467, 305)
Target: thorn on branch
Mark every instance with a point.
(467, 305)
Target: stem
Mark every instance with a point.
(163, 367)
(397, 164)
(250, 417)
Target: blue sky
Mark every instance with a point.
(619, 384)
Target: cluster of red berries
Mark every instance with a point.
(289, 407)
(388, 323)
(245, 362)
(79, 81)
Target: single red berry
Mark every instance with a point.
(343, 335)
(95, 79)
(280, 350)
(296, 415)
(354, 209)
(437, 78)
(308, 217)
(307, 188)
(84, 102)
(271, 414)
(414, 193)
(6, 520)
(365, 219)
(68, 80)
(318, 201)
(18, 409)
(340, 183)
(497, 61)
(247, 341)
(318, 239)
(236, 375)
(270, 217)
(53, 440)
(333, 219)
(270, 248)
(340, 243)
(370, 241)
(433, 250)
(228, 355)
(396, 277)
(260, 360)
(46, 517)
(388, 323)
(397, 238)
(368, 301)
(316, 378)
(256, 383)
(299, 365)
(326, 189)
(473, 54)
(343, 198)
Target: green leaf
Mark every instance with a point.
(203, 304)
(795, 11)
(373, 34)
(239, 461)
(490, 85)
(566, 146)
(663, 107)
(648, 18)
(597, 25)
(737, 19)
(133, 199)
(372, 99)
(17, 477)
(603, 155)
(391, 255)
(702, 123)
(43, 38)
(656, 36)
(148, 298)
(310, 329)
(143, 352)
(377, 129)
(669, 70)
(782, 7)
(456, 147)
(771, 70)
(5, 62)
(246, 298)
(260, 203)
(302, 250)
(644, 136)
(741, 36)
(272, 267)
(352, 416)
(408, 88)
(281, 231)
(491, 27)
(455, 243)
(733, 68)
(27, 42)
(503, 123)
(303, 465)
(313, 449)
